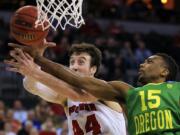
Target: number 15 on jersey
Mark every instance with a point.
(150, 99)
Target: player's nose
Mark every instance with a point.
(75, 67)
(141, 65)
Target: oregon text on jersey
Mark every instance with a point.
(149, 121)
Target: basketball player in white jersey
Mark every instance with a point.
(86, 114)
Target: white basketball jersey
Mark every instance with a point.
(94, 118)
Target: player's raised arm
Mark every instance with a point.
(55, 89)
(97, 87)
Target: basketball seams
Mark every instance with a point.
(31, 30)
(25, 14)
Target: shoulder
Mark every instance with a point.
(174, 83)
(121, 87)
(114, 106)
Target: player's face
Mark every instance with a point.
(81, 63)
(152, 70)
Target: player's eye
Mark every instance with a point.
(81, 62)
(71, 62)
(149, 61)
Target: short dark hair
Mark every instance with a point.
(92, 50)
(171, 65)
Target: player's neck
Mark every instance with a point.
(159, 80)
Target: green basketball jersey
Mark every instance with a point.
(154, 109)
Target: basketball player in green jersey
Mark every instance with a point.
(153, 109)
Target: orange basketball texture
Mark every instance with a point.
(22, 26)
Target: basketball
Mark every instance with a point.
(22, 26)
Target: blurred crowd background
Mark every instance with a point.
(126, 31)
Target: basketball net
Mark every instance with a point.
(59, 13)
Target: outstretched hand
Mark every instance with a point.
(34, 50)
(22, 63)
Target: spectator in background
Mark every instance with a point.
(34, 132)
(128, 55)
(64, 130)
(48, 128)
(15, 124)
(42, 111)
(33, 118)
(26, 129)
(113, 45)
(129, 61)
(119, 72)
(61, 49)
(19, 113)
(141, 53)
(9, 115)
(8, 129)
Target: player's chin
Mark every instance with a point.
(140, 78)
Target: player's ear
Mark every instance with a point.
(93, 70)
(165, 72)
